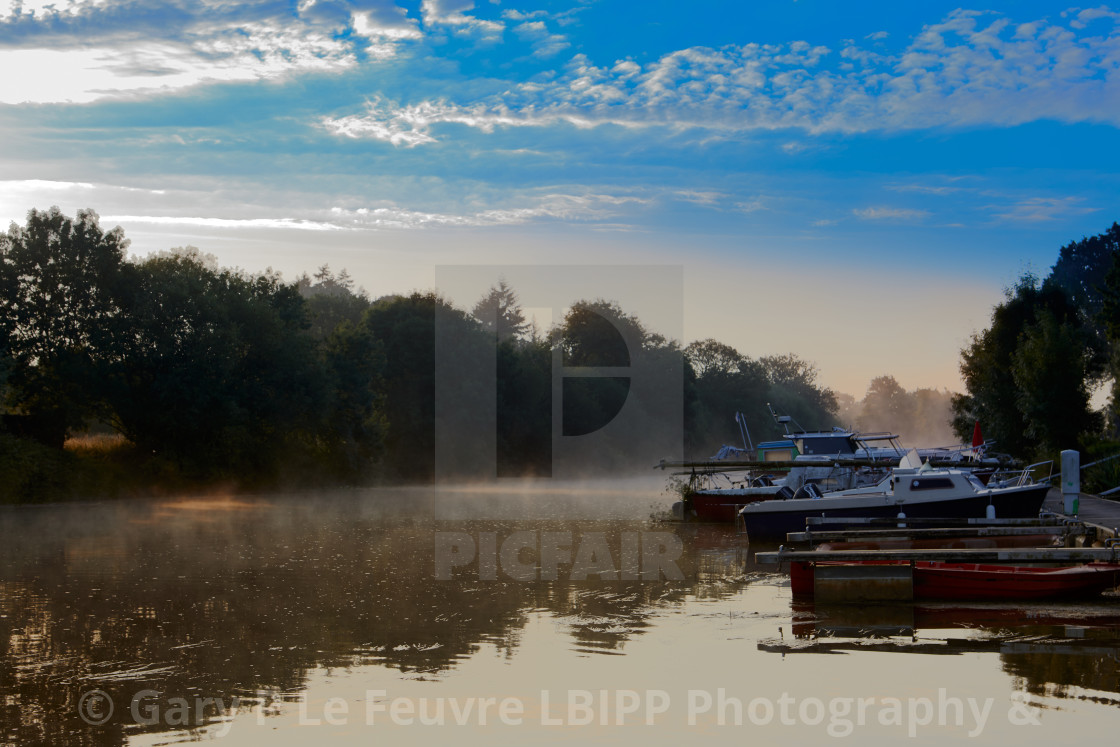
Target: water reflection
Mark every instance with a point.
(204, 601)
(217, 598)
(1055, 650)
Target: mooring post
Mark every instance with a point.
(1071, 481)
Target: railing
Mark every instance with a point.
(1025, 476)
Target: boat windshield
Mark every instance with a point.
(974, 481)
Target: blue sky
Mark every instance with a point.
(854, 182)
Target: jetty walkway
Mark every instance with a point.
(1102, 513)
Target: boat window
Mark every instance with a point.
(930, 483)
(827, 445)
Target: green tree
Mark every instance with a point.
(1108, 320)
(61, 277)
(524, 408)
(331, 301)
(1009, 389)
(713, 357)
(500, 314)
(601, 334)
(1081, 269)
(725, 382)
(886, 406)
(1052, 368)
(354, 421)
(795, 391)
(218, 372)
(407, 328)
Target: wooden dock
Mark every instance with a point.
(863, 535)
(1101, 513)
(994, 555)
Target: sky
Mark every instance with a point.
(852, 182)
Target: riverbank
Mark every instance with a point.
(108, 467)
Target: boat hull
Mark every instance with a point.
(934, 581)
(773, 520)
(724, 505)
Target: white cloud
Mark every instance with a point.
(453, 13)
(752, 205)
(517, 15)
(1088, 15)
(972, 69)
(411, 125)
(700, 197)
(79, 51)
(1038, 209)
(890, 213)
(216, 208)
(245, 52)
(43, 8)
(545, 43)
(929, 189)
(234, 223)
(386, 23)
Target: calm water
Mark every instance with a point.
(296, 619)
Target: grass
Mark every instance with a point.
(97, 445)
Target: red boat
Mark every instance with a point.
(930, 580)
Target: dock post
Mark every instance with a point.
(1071, 481)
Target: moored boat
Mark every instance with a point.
(801, 464)
(934, 580)
(911, 490)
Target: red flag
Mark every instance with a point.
(977, 439)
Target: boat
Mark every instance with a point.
(912, 489)
(935, 580)
(801, 464)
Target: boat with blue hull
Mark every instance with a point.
(911, 490)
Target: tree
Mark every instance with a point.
(218, 372)
(501, 314)
(355, 423)
(408, 328)
(599, 333)
(331, 300)
(1052, 367)
(886, 406)
(524, 408)
(596, 333)
(725, 383)
(1108, 320)
(649, 384)
(713, 357)
(1080, 269)
(795, 391)
(1011, 371)
(61, 278)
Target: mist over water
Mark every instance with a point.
(299, 606)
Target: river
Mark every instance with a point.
(490, 616)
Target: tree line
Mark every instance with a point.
(1053, 341)
(211, 373)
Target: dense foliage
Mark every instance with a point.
(1030, 376)
(210, 374)
(214, 375)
